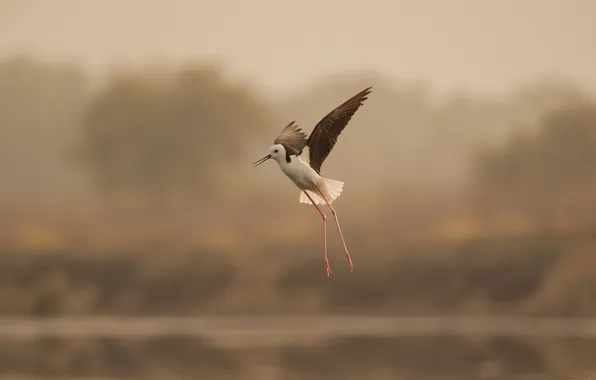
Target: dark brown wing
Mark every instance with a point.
(325, 134)
(292, 138)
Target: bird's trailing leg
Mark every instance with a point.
(341, 235)
(327, 267)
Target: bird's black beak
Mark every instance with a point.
(259, 162)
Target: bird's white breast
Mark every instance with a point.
(300, 173)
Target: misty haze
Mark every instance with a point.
(137, 240)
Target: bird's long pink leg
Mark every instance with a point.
(341, 235)
(327, 267)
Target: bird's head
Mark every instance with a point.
(276, 152)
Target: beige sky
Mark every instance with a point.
(483, 44)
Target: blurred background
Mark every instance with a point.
(137, 241)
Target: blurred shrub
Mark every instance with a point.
(158, 137)
(114, 285)
(59, 358)
(551, 173)
(518, 276)
(432, 357)
(432, 279)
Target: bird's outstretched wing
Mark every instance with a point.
(292, 138)
(325, 134)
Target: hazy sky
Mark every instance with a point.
(484, 44)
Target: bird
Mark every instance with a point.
(287, 151)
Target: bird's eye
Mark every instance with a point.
(275, 151)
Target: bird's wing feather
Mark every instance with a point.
(292, 138)
(325, 134)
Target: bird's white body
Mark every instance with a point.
(306, 178)
(300, 173)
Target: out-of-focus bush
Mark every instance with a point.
(160, 140)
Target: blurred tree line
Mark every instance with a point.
(152, 136)
(170, 137)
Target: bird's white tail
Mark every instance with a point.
(330, 187)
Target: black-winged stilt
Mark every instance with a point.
(288, 147)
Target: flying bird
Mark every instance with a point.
(306, 175)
